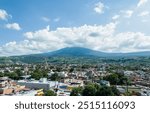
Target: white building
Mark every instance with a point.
(41, 84)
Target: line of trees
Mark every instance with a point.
(117, 79)
(16, 75)
(95, 90)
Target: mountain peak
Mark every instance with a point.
(74, 51)
(76, 48)
(81, 51)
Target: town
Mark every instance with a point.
(94, 77)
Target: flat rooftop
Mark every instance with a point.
(26, 93)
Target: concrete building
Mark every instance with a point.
(41, 84)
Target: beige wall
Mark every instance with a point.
(7, 91)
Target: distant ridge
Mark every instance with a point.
(69, 52)
(75, 51)
(80, 51)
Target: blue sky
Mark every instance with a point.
(35, 26)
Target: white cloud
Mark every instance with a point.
(133, 41)
(3, 14)
(57, 19)
(46, 19)
(45, 40)
(144, 20)
(13, 26)
(141, 2)
(144, 13)
(127, 13)
(115, 17)
(99, 8)
(97, 37)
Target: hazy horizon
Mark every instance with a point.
(64, 49)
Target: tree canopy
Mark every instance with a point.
(93, 89)
(49, 93)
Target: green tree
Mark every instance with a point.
(55, 77)
(18, 72)
(113, 79)
(77, 91)
(13, 76)
(89, 90)
(49, 93)
(71, 70)
(105, 91)
(44, 73)
(38, 73)
(115, 91)
(36, 76)
(1, 74)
